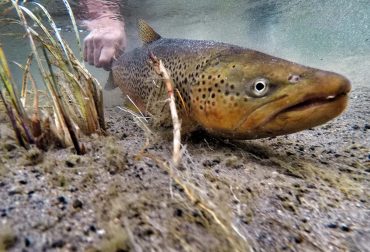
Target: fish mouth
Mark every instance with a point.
(311, 103)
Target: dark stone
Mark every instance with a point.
(62, 200)
(92, 228)
(27, 242)
(77, 203)
(70, 164)
(345, 228)
(3, 213)
(355, 127)
(178, 212)
(58, 244)
(332, 225)
(23, 182)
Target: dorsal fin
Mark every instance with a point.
(147, 34)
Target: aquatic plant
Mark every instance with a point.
(74, 94)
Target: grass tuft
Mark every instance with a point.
(74, 95)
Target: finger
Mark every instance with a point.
(86, 46)
(90, 52)
(97, 51)
(106, 57)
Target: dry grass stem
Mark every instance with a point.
(160, 69)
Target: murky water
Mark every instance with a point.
(333, 35)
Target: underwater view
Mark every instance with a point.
(108, 180)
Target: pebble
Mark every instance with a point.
(345, 228)
(58, 244)
(77, 203)
(100, 232)
(332, 225)
(62, 200)
(27, 242)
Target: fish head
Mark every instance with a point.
(248, 94)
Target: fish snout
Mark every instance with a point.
(332, 84)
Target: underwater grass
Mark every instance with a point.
(74, 94)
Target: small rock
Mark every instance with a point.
(14, 191)
(178, 212)
(62, 200)
(367, 126)
(58, 244)
(332, 225)
(10, 146)
(345, 228)
(92, 228)
(27, 242)
(355, 127)
(77, 203)
(100, 232)
(72, 161)
(23, 182)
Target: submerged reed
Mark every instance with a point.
(74, 94)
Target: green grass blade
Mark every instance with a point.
(75, 28)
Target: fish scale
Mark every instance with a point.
(228, 90)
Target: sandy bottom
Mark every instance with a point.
(304, 192)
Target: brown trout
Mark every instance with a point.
(228, 90)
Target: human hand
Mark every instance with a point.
(106, 41)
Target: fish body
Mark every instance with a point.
(230, 91)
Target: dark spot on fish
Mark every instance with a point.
(226, 92)
(203, 96)
(219, 90)
(222, 81)
(199, 90)
(213, 95)
(197, 66)
(231, 86)
(186, 81)
(209, 77)
(203, 76)
(197, 98)
(213, 103)
(203, 82)
(218, 76)
(233, 66)
(209, 89)
(216, 84)
(237, 94)
(201, 107)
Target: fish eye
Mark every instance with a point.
(260, 87)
